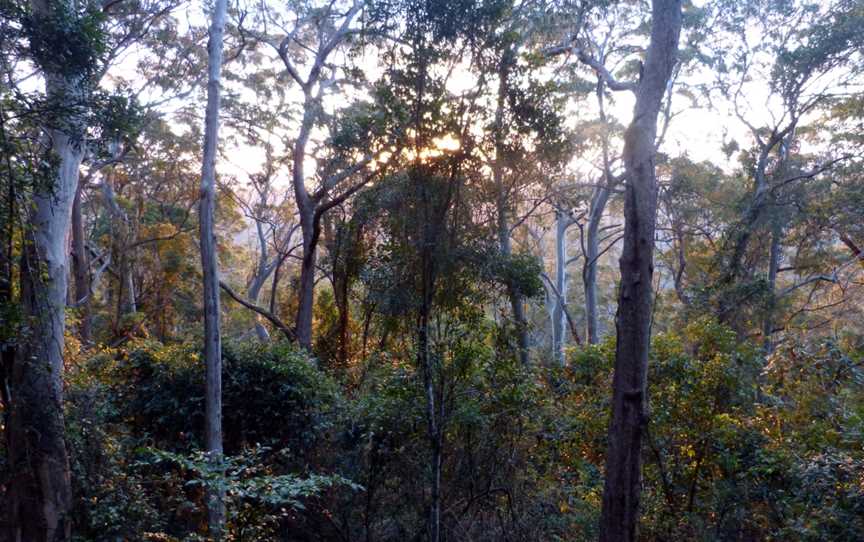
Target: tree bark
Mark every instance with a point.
(773, 267)
(262, 273)
(503, 205)
(209, 264)
(39, 495)
(592, 252)
(81, 269)
(559, 314)
(620, 509)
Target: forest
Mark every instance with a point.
(431, 270)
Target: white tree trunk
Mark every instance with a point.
(38, 502)
(209, 264)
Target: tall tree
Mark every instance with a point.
(210, 266)
(620, 512)
(39, 499)
(318, 32)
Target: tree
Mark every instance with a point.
(620, 512)
(38, 503)
(210, 266)
(329, 29)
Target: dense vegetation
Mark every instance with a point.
(474, 270)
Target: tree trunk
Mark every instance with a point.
(262, 273)
(432, 421)
(209, 264)
(773, 267)
(7, 255)
(306, 299)
(620, 509)
(559, 323)
(39, 495)
(592, 251)
(122, 238)
(81, 269)
(503, 207)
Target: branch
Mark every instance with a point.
(571, 324)
(570, 47)
(280, 325)
(810, 174)
(810, 280)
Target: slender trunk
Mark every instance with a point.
(559, 323)
(620, 509)
(252, 294)
(589, 269)
(121, 239)
(209, 264)
(342, 288)
(434, 430)
(7, 255)
(81, 269)
(773, 267)
(503, 206)
(681, 252)
(262, 272)
(307, 279)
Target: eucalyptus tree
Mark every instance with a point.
(209, 264)
(806, 48)
(620, 512)
(526, 142)
(37, 503)
(312, 44)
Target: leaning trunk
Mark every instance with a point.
(209, 264)
(620, 509)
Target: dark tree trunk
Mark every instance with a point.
(773, 267)
(503, 207)
(621, 492)
(81, 269)
(307, 277)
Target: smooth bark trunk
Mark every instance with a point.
(620, 508)
(209, 264)
(39, 496)
(262, 273)
(589, 270)
(38, 499)
(559, 317)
